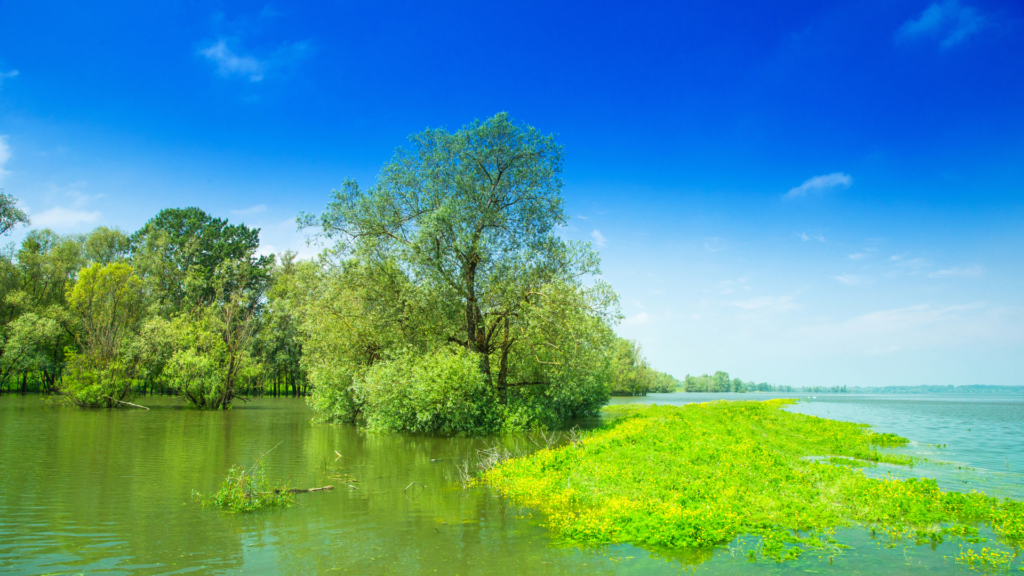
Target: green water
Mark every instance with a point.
(109, 492)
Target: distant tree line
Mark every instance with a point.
(720, 382)
(633, 375)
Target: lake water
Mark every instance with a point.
(109, 492)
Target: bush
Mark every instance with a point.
(89, 383)
(439, 392)
(246, 490)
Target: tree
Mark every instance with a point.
(213, 361)
(106, 245)
(632, 375)
(458, 244)
(106, 304)
(181, 252)
(10, 214)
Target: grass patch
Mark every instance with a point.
(700, 475)
(246, 490)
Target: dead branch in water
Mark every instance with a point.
(126, 403)
(301, 490)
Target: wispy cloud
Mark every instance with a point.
(598, 237)
(949, 20)
(766, 304)
(805, 237)
(250, 210)
(5, 155)
(969, 272)
(849, 279)
(6, 75)
(858, 256)
(920, 326)
(63, 218)
(820, 184)
(233, 63)
(229, 63)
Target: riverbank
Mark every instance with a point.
(704, 474)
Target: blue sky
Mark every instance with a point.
(804, 193)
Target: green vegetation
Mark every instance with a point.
(703, 474)
(720, 382)
(247, 490)
(445, 302)
(632, 375)
(455, 251)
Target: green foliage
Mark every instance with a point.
(246, 490)
(457, 244)
(632, 375)
(105, 304)
(190, 258)
(702, 474)
(10, 214)
(211, 363)
(664, 383)
(443, 391)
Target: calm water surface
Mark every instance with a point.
(109, 492)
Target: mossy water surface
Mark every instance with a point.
(702, 475)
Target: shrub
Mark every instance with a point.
(246, 490)
(440, 392)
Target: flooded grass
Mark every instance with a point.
(702, 475)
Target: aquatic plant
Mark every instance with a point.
(702, 474)
(246, 490)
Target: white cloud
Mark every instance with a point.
(857, 256)
(849, 279)
(766, 304)
(5, 155)
(949, 20)
(820, 184)
(920, 326)
(250, 210)
(598, 237)
(803, 236)
(229, 63)
(5, 75)
(64, 218)
(641, 318)
(969, 272)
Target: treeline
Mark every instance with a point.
(633, 375)
(445, 300)
(181, 306)
(720, 382)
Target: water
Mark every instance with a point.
(109, 492)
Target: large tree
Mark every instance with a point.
(464, 226)
(183, 252)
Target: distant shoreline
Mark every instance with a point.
(966, 389)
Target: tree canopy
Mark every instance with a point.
(457, 245)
